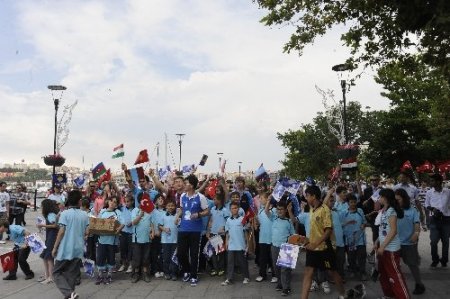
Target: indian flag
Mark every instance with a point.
(118, 151)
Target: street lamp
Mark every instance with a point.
(340, 68)
(180, 141)
(56, 103)
(220, 160)
(240, 163)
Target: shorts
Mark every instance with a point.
(410, 255)
(323, 260)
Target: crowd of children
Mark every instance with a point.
(164, 241)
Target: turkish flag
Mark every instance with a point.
(425, 167)
(211, 189)
(147, 204)
(7, 261)
(142, 157)
(406, 166)
(248, 216)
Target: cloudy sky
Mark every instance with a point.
(139, 69)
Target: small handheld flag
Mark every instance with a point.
(60, 178)
(98, 171)
(142, 157)
(79, 181)
(147, 204)
(134, 174)
(118, 151)
(7, 261)
(203, 160)
(260, 173)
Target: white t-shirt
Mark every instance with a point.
(59, 198)
(4, 199)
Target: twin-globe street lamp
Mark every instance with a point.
(340, 68)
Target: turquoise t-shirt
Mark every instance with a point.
(125, 219)
(168, 220)
(282, 228)
(75, 223)
(405, 226)
(16, 234)
(157, 215)
(303, 218)
(353, 234)
(141, 231)
(235, 230)
(385, 228)
(340, 206)
(337, 228)
(51, 218)
(109, 239)
(265, 227)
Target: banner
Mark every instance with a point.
(288, 255)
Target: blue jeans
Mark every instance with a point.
(439, 230)
(106, 257)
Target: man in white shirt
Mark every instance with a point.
(4, 204)
(57, 196)
(437, 201)
(404, 182)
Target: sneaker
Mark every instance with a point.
(213, 273)
(129, 270)
(285, 292)
(419, 290)
(246, 280)
(147, 277)
(279, 287)
(99, 280)
(10, 277)
(259, 278)
(158, 275)
(314, 286)
(47, 281)
(167, 277)
(121, 269)
(186, 277)
(29, 276)
(194, 282)
(274, 280)
(73, 295)
(41, 279)
(107, 280)
(135, 278)
(434, 264)
(2, 242)
(220, 273)
(226, 282)
(326, 287)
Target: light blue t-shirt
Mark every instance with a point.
(109, 239)
(265, 227)
(141, 231)
(218, 219)
(241, 210)
(405, 226)
(385, 228)
(125, 219)
(16, 234)
(152, 193)
(303, 218)
(157, 215)
(205, 219)
(354, 235)
(337, 228)
(51, 218)
(235, 230)
(340, 206)
(75, 223)
(282, 228)
(168, 220)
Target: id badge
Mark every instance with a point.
(187, 215)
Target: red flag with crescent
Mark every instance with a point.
(142, 157)
(7, 261)
(147, 204)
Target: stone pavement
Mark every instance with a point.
(437, 282)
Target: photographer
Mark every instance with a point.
(437, 203)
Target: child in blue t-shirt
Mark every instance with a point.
(236, 245)
(156, 262)
(216, 227)
(265, 240)
(141, 243)
(126, 234)
(169, 231)
(354, 223)
(282, 228)
(49, 210)
(106, 252)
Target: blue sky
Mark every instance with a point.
(141, 68)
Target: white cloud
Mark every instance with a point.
(141, 68)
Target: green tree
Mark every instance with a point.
(378, 31)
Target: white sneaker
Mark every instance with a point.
(326, 287)
(274, 280)
(161, 274)
(47, 281)
(121, 269)
(259, 278)
(226, 282)
(314, 286)
(129, 270)
(246, 280)
(157, 275)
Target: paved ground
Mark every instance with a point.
(437, 282)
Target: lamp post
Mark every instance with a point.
(240, 163)
(180, 141)
(220, 160)
(339, 68)
(56, 103)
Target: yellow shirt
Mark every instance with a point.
(319, 220)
